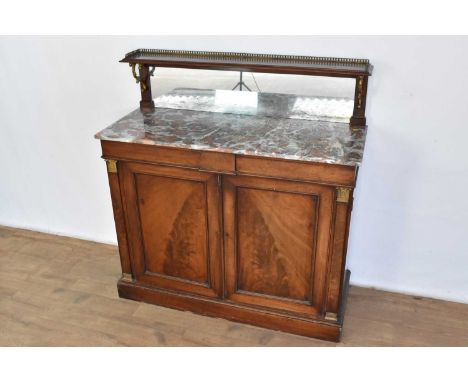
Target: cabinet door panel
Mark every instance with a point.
(277, 236)
(173, 219)
(275, 258)
(174, 224)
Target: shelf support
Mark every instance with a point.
(144, 79)
(360, 95)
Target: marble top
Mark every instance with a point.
(284, 126)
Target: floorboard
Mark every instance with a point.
(59, 291)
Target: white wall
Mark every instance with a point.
(410, 220)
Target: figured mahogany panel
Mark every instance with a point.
(173, 224)
(173, 215)
(276, 240)
(274, 255)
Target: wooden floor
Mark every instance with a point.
(58, 291)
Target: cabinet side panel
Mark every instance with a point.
(338, 257)
(119, 219)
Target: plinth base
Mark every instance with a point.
(305, 326)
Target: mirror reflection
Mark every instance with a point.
(304, 97)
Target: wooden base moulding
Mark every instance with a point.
(321, 329)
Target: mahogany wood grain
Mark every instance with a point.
(360, 96)
(227, 163)
(119, 220)
(276, 242)
(172, 215)
(203, 160)
(146, 103)
(342, 214)
(262, 239)
(240, 313)
(297, 170)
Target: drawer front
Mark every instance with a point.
(322, 173)
(209, 161)
(172, 218)
(276, 242)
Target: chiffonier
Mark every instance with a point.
(237, 204)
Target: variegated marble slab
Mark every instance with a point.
(284, 126)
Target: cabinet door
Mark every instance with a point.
(172, 217)
(276, 241)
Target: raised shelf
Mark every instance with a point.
(148, 59)
(266, 63)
